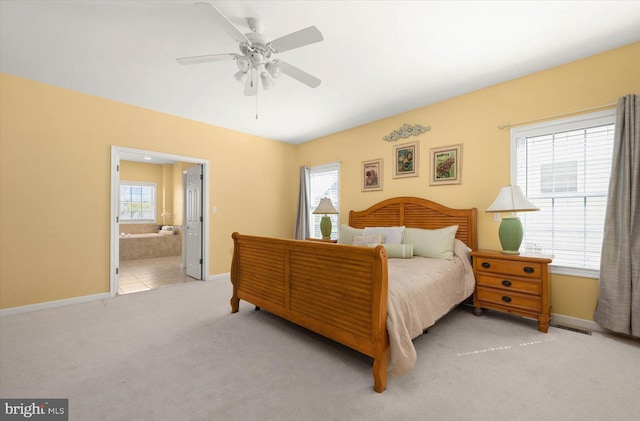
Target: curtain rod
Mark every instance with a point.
(507, 125)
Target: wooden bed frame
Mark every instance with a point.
(338, 291)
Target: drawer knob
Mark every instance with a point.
(486, 265)
(506, 299)
(506, 283)
(528, 269)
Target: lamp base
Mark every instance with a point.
(325, 227)
(510, 233)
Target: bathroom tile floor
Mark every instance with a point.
(145, 274)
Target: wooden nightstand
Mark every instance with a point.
(517, 284)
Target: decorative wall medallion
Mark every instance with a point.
(406, 131)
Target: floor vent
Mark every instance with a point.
(573, 329)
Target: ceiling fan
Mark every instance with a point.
(256, 59)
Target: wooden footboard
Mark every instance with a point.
(335, 290)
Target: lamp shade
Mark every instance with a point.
(243, 64)
(240, 76)
(267, 82)
(325, 207)
(511, 199)
(273, 69)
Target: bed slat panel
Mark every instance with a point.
(332, 289)
(345, 291)
(261, 273)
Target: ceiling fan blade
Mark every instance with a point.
(227, 25)
(251, 86)
(297, 39)
(299, 75)
(207, 58)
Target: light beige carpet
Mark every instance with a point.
(176, 353)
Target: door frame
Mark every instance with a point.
(114, 260)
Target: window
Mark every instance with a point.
(137, 202)
(563, 166)
(324, 181)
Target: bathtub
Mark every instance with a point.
(144, 235)
(149, 244)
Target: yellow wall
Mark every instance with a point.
(55, 149)
(54, 222)
(473, 120)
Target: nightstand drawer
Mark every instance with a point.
(509, 299)
(508, 267)
(533, 286)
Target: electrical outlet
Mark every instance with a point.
(497, 217)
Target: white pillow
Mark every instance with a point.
(399, 251)
(347, 233)
(392, 235)
(437, 244)
(368, 240)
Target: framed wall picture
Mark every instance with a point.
(405, 157)
(372, 175)
(446, 165)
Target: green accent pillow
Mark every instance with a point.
(436, 244)
(399, 251)
(346, 234)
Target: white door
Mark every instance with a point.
(193, 221)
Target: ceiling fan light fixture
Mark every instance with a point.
(240, 76)
(243, 64)
(273, 69)
(256, 52)
(267, 82)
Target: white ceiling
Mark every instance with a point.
(378, 58)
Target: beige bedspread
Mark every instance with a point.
(421, 291)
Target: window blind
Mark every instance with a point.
(564, 169)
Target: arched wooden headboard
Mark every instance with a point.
(416, 212)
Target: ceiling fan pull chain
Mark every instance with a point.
(257, 104)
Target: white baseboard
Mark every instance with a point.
(52, 304)
(569, 321)
(77, 300)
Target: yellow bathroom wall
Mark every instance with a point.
(472, 120)
(55, 169)
(166, 198)
(178, 196)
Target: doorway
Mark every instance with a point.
(122, 271)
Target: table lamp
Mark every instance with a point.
(511, 199)
(325, 207)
